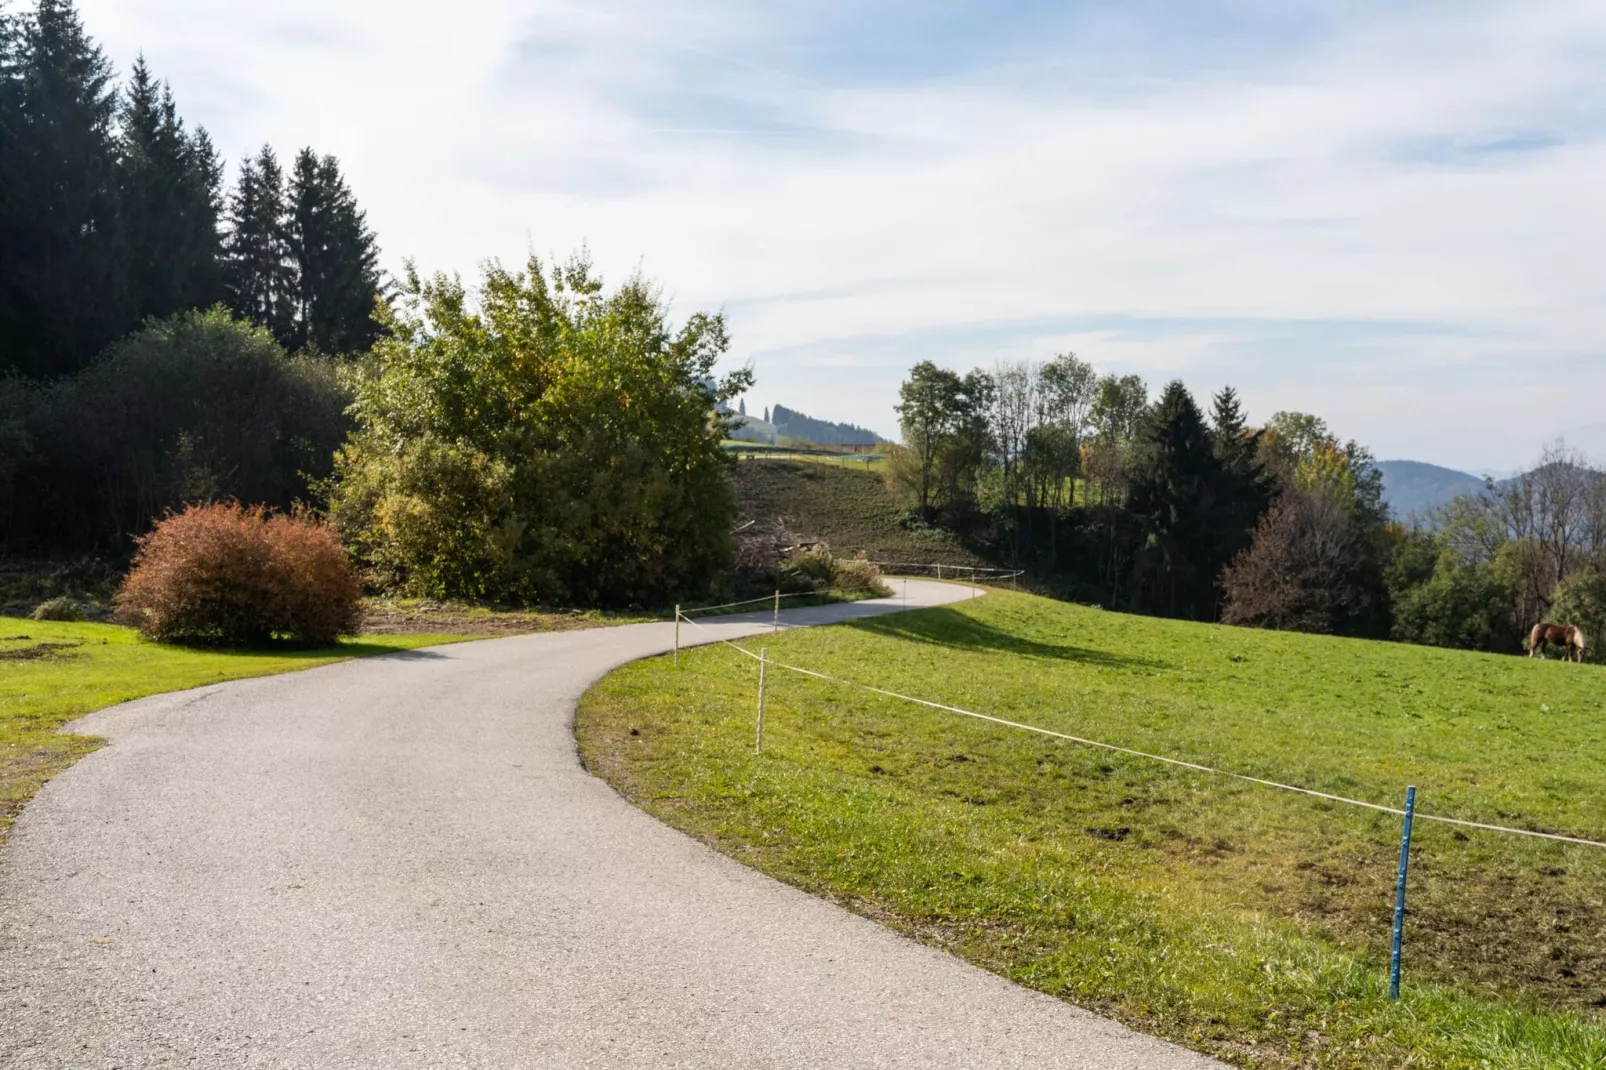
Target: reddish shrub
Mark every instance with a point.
(232, 574)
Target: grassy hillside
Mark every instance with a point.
(852, 510)
(1240, 920)
(52, 672)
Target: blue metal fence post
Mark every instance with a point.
(1399, 893)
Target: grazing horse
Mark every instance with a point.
(1569, 638)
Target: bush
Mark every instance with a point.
(545, 442)
(816, 570)
(197, 407)
(232, 574)
(59, 608)
(858, 574)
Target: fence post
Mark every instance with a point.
(677, 635)
(1399, 893)
(758, 745)
(777, 622)
(939, 571)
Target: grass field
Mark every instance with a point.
(51, 673)
(1245, 922)
(852, 510)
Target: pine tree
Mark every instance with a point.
(61, 292)
(257, 270)
(1247, 488)
(1175, 491)
(167, 185)
(336, 259)
(741, 408)
(202, 256)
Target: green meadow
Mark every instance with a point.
(1186, 904)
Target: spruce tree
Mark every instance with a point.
(1175, 493)
(1247, 488)
(61, 292)
(167, 186)
(335, 256)
(258, 274)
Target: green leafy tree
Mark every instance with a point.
(1580, 600)
(943, 418)
(1441, 598)
(551, 441)
(1115, 417)
(335, 259)
(197, 407)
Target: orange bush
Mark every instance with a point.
(236, 574)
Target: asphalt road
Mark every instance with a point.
(398, 862)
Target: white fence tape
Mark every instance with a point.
(1154, 757)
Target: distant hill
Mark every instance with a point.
(1414, 487)
(789, 423)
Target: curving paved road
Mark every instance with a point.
(399, 862)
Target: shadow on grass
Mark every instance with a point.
(305, 652)
(947, 628)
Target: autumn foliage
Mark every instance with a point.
(228, 573)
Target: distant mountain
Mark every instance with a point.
(1414, 487)
(789, 423)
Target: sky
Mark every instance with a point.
(1389, 214)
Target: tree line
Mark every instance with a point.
(113, 210)
(1150, 504)
(163, 338)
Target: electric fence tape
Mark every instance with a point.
(1153, 757)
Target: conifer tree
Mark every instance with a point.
(1175, 491)
(60, 276)
(258, 274)
(1247, 488)
(168, 187)
(336, 259)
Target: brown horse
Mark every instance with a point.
(1569, 638)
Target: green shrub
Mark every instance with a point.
(549, 442)
(59, 608)
(231, 574)
(197, 407)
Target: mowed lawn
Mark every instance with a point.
(1240, 920)
(53, 672)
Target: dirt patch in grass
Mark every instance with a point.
(38, 650)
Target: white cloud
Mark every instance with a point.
(1358, 182)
